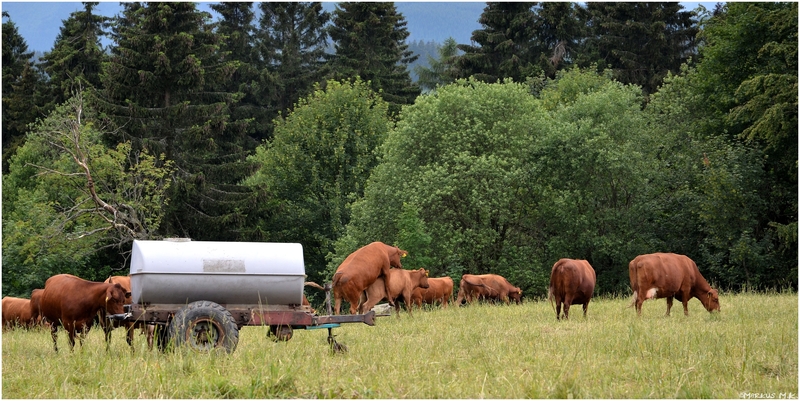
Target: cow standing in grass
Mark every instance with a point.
(360, 269)
(73, 302)
(440, 289)
(487, 286)
(401, 283)
(669, 275)
(571, 283)
(148, 329)
(17, 313)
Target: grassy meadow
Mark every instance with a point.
(480, 351)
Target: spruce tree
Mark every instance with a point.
(236, 27)
(369, 39)
(558, 34)
(162, 88)
(504, 45)
(21, 81)
(76, 56)
(291, 44)
(640, 42)
(439, 71)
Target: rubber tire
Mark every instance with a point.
(190, 325)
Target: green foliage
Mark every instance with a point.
(316, 166)
(164, 84)
(68, 195)
(467, 182)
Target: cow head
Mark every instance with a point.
(423, 278)
(712, 301)
(115, 299)
(516, 295)
(395, 254)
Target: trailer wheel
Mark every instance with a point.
(280, 332)
(204, 326)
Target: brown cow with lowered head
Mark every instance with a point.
(17, 313)
(360, 269)
(148, 329)
(439, 290)
(401, 283)
(73, 302)
(487, 286)
(669, 275)
(571, 283)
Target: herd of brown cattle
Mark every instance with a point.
(367, 276)
(374, 273)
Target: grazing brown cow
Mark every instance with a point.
(17, 313)
(360, 269)
(669, 275)
(73, 302)
(571, 283)
(487, 286)
(149, 329)
(401, 283)
(439, 290)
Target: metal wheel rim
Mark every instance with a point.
(204, 335)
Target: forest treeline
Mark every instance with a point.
(594, 131)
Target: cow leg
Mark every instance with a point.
(566, 309)
(685, 305)
(107, 330)
(54, 334)
(558, 309)
(151, 328)
(407, 301)
(585, 308)
(130, 331)
(71, 335)
(639, 301)
(669, 304)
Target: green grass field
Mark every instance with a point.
(481, 351)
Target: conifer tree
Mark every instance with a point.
(558, 34)
(162, 88)
(503, 47)
(76, 55)
(369, 39)
(291, 43)
(439, 71)
(640, 42)
(21, 81)
(236, 27)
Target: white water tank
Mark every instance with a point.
(184, 271)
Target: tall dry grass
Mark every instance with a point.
(481, 351)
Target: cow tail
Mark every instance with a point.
(313, 284)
